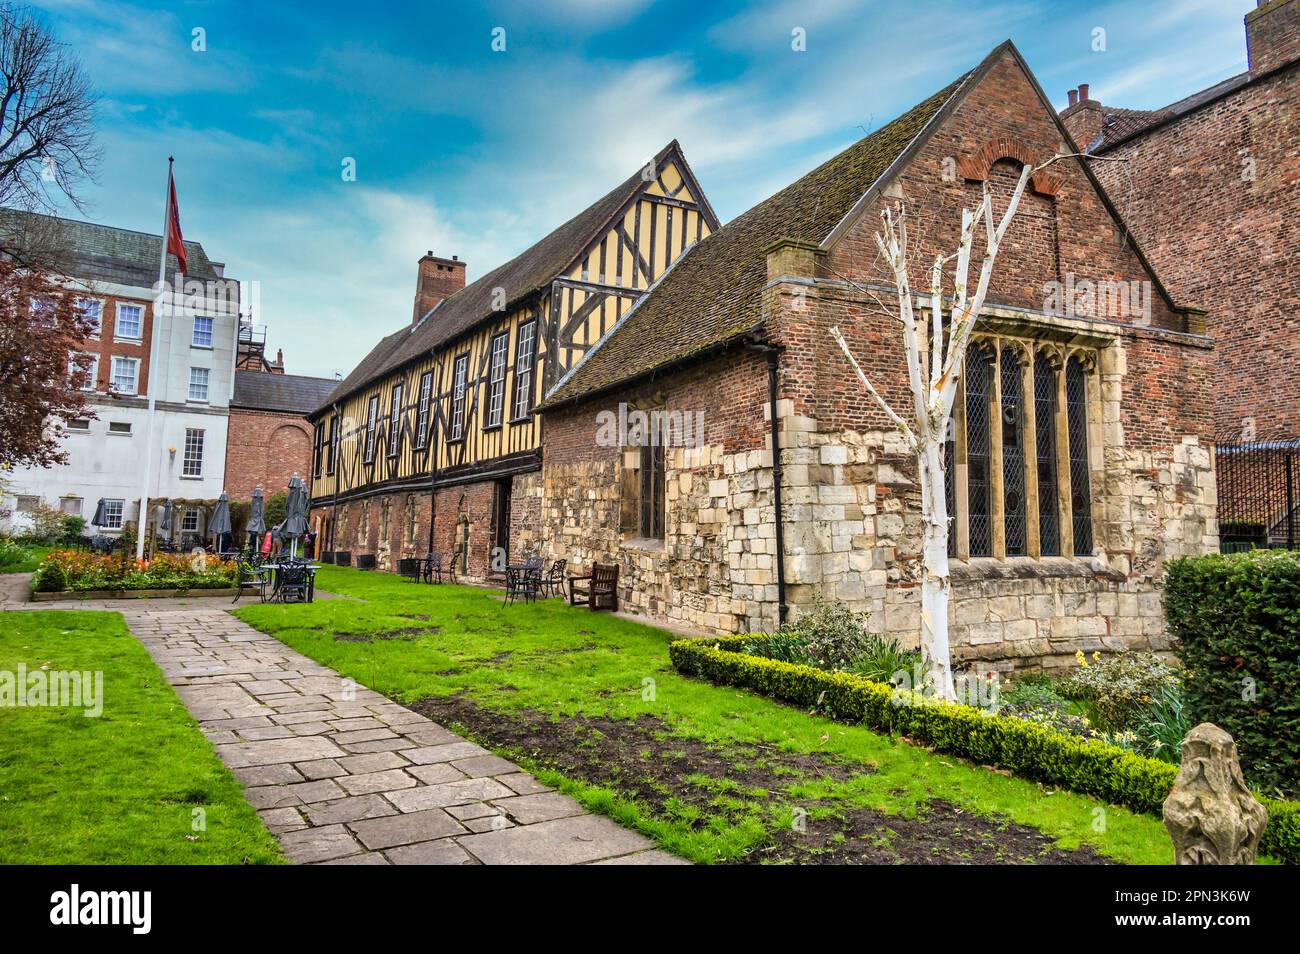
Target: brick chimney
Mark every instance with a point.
(1272, 34)
(439, 278)
(1083, 117)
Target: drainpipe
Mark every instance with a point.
(773, 363)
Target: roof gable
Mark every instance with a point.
(526, 274)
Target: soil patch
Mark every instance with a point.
(405, 635)
(688, 778)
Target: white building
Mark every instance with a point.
(116, 271)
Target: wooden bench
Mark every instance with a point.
(596, 590)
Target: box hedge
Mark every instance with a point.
(1237, 619)
(1024, 748)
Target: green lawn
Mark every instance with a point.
(34, 558)
(592, 703)
(122, 788)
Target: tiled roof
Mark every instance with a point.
(1121, 124)
(291, 393)
(713, 294)
(101, 253)
(523, 275)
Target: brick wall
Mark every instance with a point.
(265, 449)
(1212, 198)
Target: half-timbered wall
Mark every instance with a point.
(393, 449)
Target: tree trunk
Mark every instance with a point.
(935, 585)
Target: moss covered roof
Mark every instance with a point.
(713, 294)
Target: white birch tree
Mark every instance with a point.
(936, 355)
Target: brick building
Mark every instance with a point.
(1210, 186)
(1080, 458)
(270, 437)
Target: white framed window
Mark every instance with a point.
(42, 309)
(372, 420)
(525, 350)
(92, 309)
(119, 427)
(78, 424)
(395, 419)
(91, 369)
(113, 514)
(198, 384)
(192, 465)
(70, 505)
(126, 374)
(497, 379)
(202, 337)
(422, 415)
(27, 503)
(190, 520)
(456, 429)
(130, 320)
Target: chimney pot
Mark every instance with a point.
(1073, 96)
(1083, 91)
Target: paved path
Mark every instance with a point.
(342, 775)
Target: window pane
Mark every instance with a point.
(128, 321)
(198, 384)
(950, 486)
(497, 380)
(124, 375)
(978, 374)
(202, 333)
(70, 505)
(113, 514)
(461, 372)
(524, 369)
(93, 312)
(422, 414)
(1049, 517)
(193, 461)
(1013, 454)
(1076, 412)
(372, 420)
(395, 418)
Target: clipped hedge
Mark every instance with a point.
(1237, 618)
(1029, 750)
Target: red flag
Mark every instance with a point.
(175, 241)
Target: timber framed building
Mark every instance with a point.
(433, 442)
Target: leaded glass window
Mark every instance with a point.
(1049, 515)
(1013, 454)
(1076, 410)
(979, 368)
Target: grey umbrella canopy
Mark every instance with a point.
(295, 511)
(219, 523)
(166, 524)
(256, 515)
(100, 517)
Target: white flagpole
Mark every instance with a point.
(155, 375)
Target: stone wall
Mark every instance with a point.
(265, 449)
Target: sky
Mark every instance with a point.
(477, 152)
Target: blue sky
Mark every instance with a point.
(477, 153)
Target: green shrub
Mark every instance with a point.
(882, 659)
(49, 578)
(1237, 619)
(73, 525)
(12, 552)
(834, 635)
(1031, 751)
(1037, 700)
(1164, 724)
(785, 646)
(1120, 687)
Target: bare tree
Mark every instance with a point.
(47, 111)
(936, 356)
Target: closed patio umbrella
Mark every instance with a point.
(256, 524)
(295, 514)
(100, 518)
(219, 525)
(165, 525)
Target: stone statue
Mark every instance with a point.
(1210, 813)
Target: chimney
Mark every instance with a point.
(279, 360)
(439, 278)
(1272, 35)
(1084, 117)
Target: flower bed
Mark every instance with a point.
(72, 571)
(1023, 747)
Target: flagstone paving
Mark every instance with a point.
(342, 775)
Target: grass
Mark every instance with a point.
(566, 662)
(126, 787)
(34, 557)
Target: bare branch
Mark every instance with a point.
(871, 389)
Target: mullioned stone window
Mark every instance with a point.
(1017, 456)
